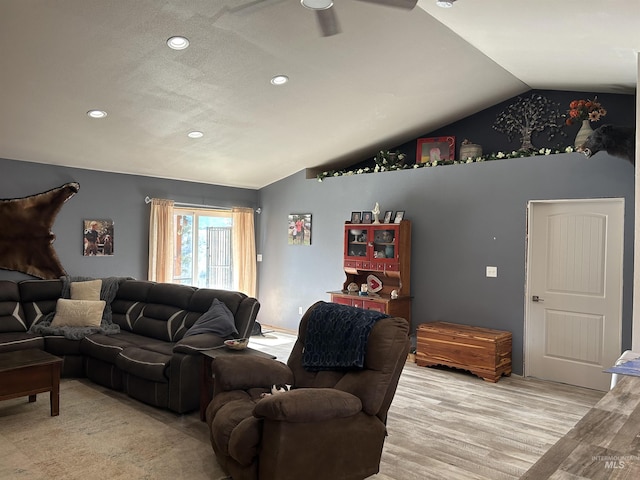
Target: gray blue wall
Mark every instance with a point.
(464, 217)
(456, 212)
(108, 195)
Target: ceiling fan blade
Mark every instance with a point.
(406, 4)
(328, 22)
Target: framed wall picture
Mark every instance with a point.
(299, 229)
(97, 238)
(399, 216)
(367, 217)
(356, 217)
(436, 149)
(387, 216)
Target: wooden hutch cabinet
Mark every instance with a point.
(382, 250)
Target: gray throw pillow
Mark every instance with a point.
(217, 320)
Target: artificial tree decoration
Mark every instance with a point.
(529, 116)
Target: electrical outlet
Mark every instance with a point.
(299, 310)
(259, 257)
(492, 271)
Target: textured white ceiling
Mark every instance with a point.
(391, 76)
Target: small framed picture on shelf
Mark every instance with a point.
(399, 216)
(436, 149)
(367, 217)
(356, 217)
(387, 216)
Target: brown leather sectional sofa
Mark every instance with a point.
(150, 358)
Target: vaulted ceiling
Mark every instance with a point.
(390, 76)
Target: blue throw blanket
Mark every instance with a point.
(337, 336)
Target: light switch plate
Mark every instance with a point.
(492, 271)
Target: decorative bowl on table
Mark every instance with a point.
(237, 343)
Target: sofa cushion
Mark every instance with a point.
(203, 297)
(158, 346)
(107, 347)
(89, 290)
(78, 313)
(171, 294)
(144, 363)
(159, 321)
(11, 341)
(39, 298)
(128, 302)
(126, 312)
(155, 310)
(217, 320)
(12, 317)
(59, 345)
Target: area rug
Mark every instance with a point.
(271, 339)
(101, 434)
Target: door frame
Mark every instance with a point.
(526, 357)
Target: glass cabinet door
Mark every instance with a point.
(384, 243)
(356, 242)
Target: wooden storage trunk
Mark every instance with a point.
(483, 351)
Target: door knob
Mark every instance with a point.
(536, 298)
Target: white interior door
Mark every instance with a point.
(574, 290)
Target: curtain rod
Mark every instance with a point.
(147, 200)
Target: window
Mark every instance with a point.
(181, 239)
(203, 255)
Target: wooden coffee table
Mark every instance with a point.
(26, 373)
(206, 376)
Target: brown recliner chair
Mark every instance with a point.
(331, 425)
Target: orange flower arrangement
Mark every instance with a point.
(580, 110)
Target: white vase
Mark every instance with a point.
(583, 133)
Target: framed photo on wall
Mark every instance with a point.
(97, 238)
(299, 229)
(436, 149)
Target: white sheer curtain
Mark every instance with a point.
(161, 240)
(243, 239)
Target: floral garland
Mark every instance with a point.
(383, 164)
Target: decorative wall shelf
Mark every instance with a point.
(484, 158)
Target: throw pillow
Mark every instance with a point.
(78, 313)
(217, 320)
(86, 290)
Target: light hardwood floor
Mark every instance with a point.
(447, 424)
(443, 424)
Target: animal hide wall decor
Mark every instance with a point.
(616, 140)
(26, 240)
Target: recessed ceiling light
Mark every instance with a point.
(317, 4)
(195, 134)
(445, 3)
(279, 80)
(97, 113)
(178, 43)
